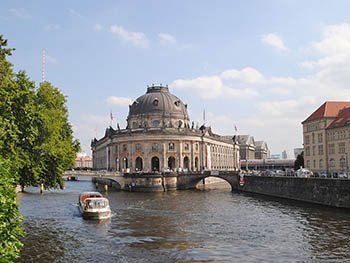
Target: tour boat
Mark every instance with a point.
(93, 205)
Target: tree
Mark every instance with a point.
(55, 143)
(36, 145)
(34, 129)
(10, 219)
(299, 162)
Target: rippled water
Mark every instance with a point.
(207, 225)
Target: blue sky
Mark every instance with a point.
(263, 66)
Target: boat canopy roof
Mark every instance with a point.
(83, 196)
(96, 199)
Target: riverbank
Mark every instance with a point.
(322, 191)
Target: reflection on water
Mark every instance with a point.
(206, 225)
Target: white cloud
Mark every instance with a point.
(166, 39)
(74, 13)
(20, 12)
(138, 39)
(207, 87)
(51, 59)
(240, 93)
(52, 27)
(336, 39)
(274, 40)
(246, 75)
(335, 47)
(280, 103)
(98, 28)
(119, 101)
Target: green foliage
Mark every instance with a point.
(34, 130)
(36, 145)
(299, 162)
(55, 143)
(10, 219)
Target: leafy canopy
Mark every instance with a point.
(36, 145)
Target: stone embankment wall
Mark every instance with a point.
(330, 192)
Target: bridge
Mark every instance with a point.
(322, 191)
(149, 182)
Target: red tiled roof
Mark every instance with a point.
(328, 109)
(342, 120)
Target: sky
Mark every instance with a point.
(261, 65)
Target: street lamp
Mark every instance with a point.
(347, 164)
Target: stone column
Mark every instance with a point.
(164, 160)
(119, 166)
(180, 161)
(146, 161)
(192, 157)
(130, 157)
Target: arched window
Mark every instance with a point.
(171, 163)
(155, 163)
(139, 164)
(125, 163)
(332, 163)
(196, 164)
(186, 163)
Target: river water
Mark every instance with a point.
(202, 225)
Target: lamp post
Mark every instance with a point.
(347, 164)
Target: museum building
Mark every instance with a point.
(159, 137)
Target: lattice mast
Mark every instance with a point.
(43, 66)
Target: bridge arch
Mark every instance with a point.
(190, 181)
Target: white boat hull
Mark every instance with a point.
(96, 215)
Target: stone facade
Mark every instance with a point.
(251, 149)
(326, 135)
(159, 137)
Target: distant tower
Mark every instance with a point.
(43, 67)
(284, 155)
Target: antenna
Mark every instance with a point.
(43, 67)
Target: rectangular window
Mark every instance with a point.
(307, 139)
(307, 151)
(197, 146)
(138, 147)
(332, 148)
(320, 149)
(154, 146)
(171, 146)
(342, 147)
(125, 147)
(186, 145)
(320, 137)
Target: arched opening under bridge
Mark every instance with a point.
(213, 183)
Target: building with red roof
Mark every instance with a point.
(326, 135)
